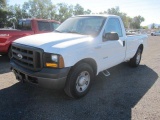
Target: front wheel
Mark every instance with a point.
(134, 62)
(79, 80)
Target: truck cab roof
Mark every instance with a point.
(96, 15)
(36, 19)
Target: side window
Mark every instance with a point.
(113, 25)
(44, 26)
(24, 25)
(27, 25)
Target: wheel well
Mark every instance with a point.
(141, 47)
(91, 62)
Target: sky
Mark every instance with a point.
(149, 9)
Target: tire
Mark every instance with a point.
(79, 80)
(134, 62)
(9, 53)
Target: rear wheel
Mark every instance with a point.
(134, 62)
(79, 80)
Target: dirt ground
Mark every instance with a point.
(127, 94)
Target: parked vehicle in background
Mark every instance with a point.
(78, 50)
(131, 32)
(157, 33)
(24, 27)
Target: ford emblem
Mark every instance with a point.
(19, 56)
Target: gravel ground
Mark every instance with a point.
(128, 93)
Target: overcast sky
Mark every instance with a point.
(149, 9)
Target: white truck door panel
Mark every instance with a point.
(112, 52)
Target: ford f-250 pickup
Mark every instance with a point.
(25, 27)
(79, 49)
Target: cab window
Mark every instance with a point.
(24, 25)
(113, 25)
(44, 26)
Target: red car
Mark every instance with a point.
(25, 27)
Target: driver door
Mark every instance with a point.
(113, 51)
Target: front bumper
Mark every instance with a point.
(47, 77)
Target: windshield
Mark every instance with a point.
(82, 25)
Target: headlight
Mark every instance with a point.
(53, 60)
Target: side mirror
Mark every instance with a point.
(111, 36)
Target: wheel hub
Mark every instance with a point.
(82, 81)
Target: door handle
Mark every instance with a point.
(123, 43)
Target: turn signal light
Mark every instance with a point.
(52, 65)
(61, 62)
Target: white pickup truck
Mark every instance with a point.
(79, 49)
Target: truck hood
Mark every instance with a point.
(53, 40)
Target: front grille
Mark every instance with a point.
(27, 57)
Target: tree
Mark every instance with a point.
(86, 12)
(144, 27)
(78, 10)
(116, 11)
(64, 11)
(43, 9)
(136, 22)
(16, 11)
(25, 10)
(153, 26)
(129, 22)
(3, 3)
(4, 13)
